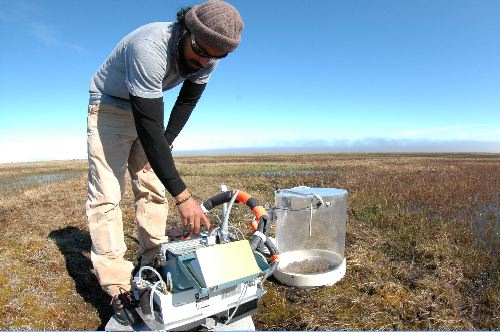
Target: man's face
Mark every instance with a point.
(194, 54)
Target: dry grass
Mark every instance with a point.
(422, 250)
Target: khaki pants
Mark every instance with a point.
(113, 147)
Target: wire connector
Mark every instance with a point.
(261, 235)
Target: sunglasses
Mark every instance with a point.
(202, 53)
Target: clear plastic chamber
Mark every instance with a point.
(310, 235)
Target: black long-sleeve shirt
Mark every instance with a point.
(149, 122)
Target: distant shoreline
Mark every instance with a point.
(249, 152)
(361, 145)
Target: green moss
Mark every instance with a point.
(5, 290)
(274, 309)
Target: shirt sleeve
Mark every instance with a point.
(189, 95)
(145, 67)
(148, 118)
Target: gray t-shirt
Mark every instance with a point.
(144, 65)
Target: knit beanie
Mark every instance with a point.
(217, 23)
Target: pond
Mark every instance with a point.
(293, 172)
(483, 216)
(29, 180)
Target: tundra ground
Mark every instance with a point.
(423, 241)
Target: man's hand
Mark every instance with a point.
(191, 214)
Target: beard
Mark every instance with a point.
(184, 66)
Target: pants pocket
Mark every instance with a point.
(106, 231)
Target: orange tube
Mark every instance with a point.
(259, 211)
(254, 225)
(243, 197)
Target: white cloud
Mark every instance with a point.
(43, 148)
(453, 132)
(73, 146)
(196, 138)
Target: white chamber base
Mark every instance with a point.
(307, 280)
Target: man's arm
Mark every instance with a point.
(148, 117)
(186, 101)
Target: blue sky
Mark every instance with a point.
(334, 75)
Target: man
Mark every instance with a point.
(126, 130)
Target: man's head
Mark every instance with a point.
(213, 30)
(215, 23)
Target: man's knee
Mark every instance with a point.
(106, 230)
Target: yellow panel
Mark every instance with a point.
(226, 262)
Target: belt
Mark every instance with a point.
(120, 98)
